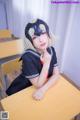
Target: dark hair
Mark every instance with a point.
(37, 28)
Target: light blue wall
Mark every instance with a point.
(3, 22)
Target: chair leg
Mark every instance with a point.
(77, 117)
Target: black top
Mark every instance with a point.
(32, 65)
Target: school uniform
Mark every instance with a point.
(31, 68)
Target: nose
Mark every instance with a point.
(40, 39)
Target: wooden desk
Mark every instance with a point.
(5, 33)
(10, 47)
(62, 102)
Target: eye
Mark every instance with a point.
(34, 37)
(43, 33)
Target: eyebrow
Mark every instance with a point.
(37, 36)
(34, 37)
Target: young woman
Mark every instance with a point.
(39, 68)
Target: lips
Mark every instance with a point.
(43, 44)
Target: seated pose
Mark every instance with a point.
(39, 66)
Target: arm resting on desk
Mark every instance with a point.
(40, 92)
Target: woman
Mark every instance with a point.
(39, 68)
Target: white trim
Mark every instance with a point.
(32, 76)
(33, 52)
(52, 55)
(55, 65)
(51, 51)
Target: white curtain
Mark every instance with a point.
(64, 22)
(71, 55)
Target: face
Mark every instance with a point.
(41, 42)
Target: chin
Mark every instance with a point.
(43, 48)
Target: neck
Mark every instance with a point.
(41, 51)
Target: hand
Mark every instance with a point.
(39, 94)
(45, 57)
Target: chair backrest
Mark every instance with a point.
(10, 70)
(11, 65)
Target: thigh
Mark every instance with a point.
(18, 84)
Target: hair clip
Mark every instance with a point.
(42, 27)
(31, 32)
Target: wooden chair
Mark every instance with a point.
(9, 71)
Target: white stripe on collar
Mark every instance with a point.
(55, 65)
(51, 51)
(33, 52)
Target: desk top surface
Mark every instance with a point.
(61, 102)
(10, 47)
(8, 39)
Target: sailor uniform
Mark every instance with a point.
(31, 68)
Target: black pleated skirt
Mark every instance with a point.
(18, 84)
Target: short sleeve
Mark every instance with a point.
(54, 57)
(29, 69)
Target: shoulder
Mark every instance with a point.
(29, 54)
(52, 50)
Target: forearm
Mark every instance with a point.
(50, 82)
(39, 94)
(39, 81)
(43, 76)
